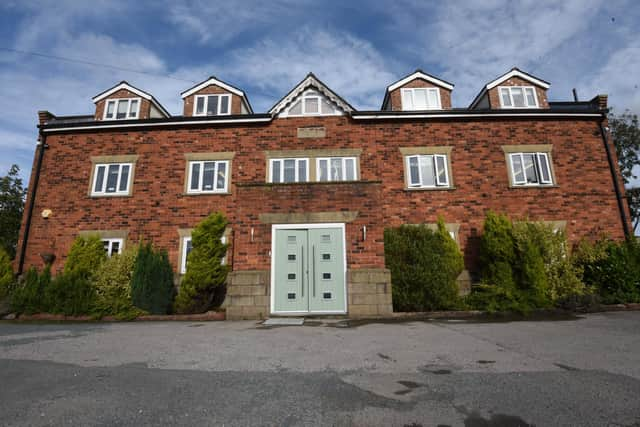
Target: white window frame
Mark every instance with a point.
(311, 95)
(116, 101)
(110, 241)
(539, 157)
(102, 191)
(524, 88)
(206, 104)
(297, 169)
(215, 177)
(438, 183)
(344, 159)
(412, 91)
(183, 255)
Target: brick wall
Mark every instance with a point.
(583, 197)
(395, 97)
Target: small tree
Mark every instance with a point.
(113, 285)
(12, 196)
(206, 275)
(152, 280)
(625, 131)
(6, 274)
(85, 256)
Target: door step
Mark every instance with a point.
(284, 321)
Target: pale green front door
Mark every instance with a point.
(309, 271)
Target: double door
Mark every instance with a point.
(309, 270)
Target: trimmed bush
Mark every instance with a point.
(152, 280)
(497, 251)
(113, 286)
(29, 295)
(71, 294)
(85, 256)
(612, 269)
(205, 279)
(6, 274)
(424, 266)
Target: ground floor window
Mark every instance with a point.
(187, 247)
(112, 246)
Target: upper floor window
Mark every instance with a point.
(336, 169)
(311, 103)
(530, 169)
(208, 176)
(289, 170)
(122, 108)
(421, 99)
(111, 179)
(518, 97)
(112, 246)
(212, 105)
(427, 171)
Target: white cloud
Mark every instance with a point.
(619, 77)
(350, 66)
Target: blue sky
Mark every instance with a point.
(265, 47)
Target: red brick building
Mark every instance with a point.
(310, 186)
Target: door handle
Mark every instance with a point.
(313, 248)
(302, 270)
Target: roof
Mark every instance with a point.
(125, 85)
(514, 72)
(310, 81)
(213, 80)
(417, 74)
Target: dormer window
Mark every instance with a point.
(212, 105)
(122, 108)
(311, 103)
(518, 97)
(421, 99)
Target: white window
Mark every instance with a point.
(208, 176)
(336, 169)
(111, 179)
(530, 169)
(122, 108)
(311, 103)
(518, 97)
(187, 247)
(212, 105)
(427, 171)
(289, 170)
(112, 246)
(421, 99)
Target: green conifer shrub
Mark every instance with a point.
(29, 295)
(152, 280)
(85, 256)
(205, 279)
(424, 266)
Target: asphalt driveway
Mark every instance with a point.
(582, 372)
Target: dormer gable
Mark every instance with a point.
(126, 102)
(311, 97)
(513, 90)
(418, 91)
(213, 97)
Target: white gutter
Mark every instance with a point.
(479, 115)
(129, 125)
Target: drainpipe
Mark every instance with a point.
(616, 183)
(27, 226)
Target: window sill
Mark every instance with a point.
(516, 187)
(211, 193)
(98, 196)
(409, 189)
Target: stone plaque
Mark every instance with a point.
(312, 132)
